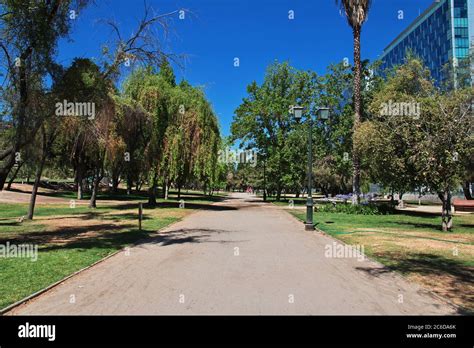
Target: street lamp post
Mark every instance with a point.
(322, 113)
(264, 177)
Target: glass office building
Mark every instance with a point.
(441, 35)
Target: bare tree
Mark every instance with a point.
(144, 47)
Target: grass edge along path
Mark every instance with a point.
(412, 250)
(115, 229)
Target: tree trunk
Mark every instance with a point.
(95, 189)
(79, 180)
(20, 124)
(115, 184)
(9, 186)
(129, 184)
(357, 116)
(152, 192)
(179, 191)
(264, 181)
(467, 190)
(138, 186)
(401, 204)
(34, 191)
(446, 216)
(166, 189)
(278, 194)
(4, 171)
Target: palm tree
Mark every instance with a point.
(356, 14)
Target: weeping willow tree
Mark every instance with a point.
(152, 92)
(180, 139)
(133, 126)
(192, 139)
(206, 166)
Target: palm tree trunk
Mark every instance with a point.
(357, 115)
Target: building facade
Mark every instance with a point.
(442, 35)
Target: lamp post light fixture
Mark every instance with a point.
(264, 155)
(323, 114)
(298, 112)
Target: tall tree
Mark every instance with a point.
(29, 32)
(418, 137)
(446, 145)
(263, 121)
(356, 13)
(385, 142)
(81, 82)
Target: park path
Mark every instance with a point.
(239, 256)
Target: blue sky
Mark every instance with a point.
(257, 32)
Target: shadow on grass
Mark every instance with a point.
(11, 223)
(462, 277)
(106, 240)
(465, 225)
(71, 232)
(426, 214)
(117, 240)
(432, 226)
(127, 216)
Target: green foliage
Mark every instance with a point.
(418, 136)
(359, 209)
(167, 73)
(183, 135)
(30, 31)
(429, 148)
(81, 141)
(264, 122)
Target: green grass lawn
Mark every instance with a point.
(69, 239)
(414, 245)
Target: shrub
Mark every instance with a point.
(362, 209)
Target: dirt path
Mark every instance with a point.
(245, 258)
